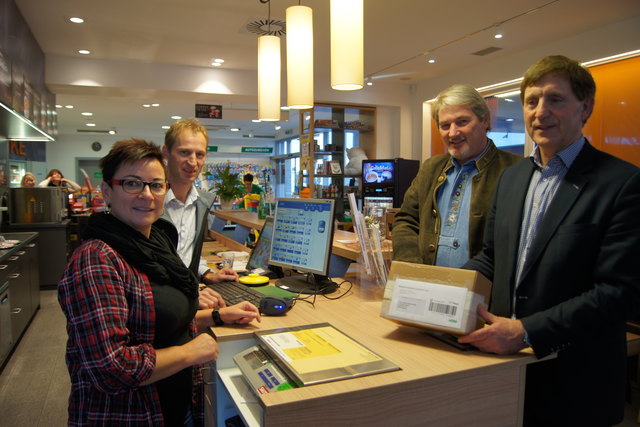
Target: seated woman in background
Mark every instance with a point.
(133, 353)
(56, 179)
(28, 180)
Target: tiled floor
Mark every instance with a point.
(34, 384)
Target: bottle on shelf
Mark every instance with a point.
(261, 207)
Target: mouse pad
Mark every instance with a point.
(275, 292)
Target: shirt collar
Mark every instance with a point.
(567, 156)
(471, 162)
(192, 197)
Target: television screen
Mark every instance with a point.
(377, 172)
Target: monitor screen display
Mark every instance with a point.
(377, 171)
(302, 240)
(260, 255)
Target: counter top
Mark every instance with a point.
(24, 238)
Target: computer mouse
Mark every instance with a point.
(275, 306)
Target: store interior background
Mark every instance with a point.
(159, 52)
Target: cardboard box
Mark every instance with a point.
(435, 298)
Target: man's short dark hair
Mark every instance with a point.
(247, 177)
(580, 79)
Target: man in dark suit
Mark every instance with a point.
(561, 245)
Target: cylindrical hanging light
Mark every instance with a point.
(299, 57)
(269, 78)
(347, 44)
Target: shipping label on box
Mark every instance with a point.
(436, 298)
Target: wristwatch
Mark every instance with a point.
(217, 320)
(204, 274)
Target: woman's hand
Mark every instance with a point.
(202, 349)
(241, 313)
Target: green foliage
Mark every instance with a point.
(227, 185)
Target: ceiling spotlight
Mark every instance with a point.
(146, 105)
(508, 120)
(86, 113)
(155, 105)
(216, 64)
(256, 120)
(91, 124)
(165, 127)
(84, 52)
(68, 106)
(112, 131)
(498, 34)
(58, 106)
(176, 117)
(76, 20)
(277, 127)
(285, 108)
(235, 129)
(218, 60)
(431, 60)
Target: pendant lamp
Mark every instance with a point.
(347, 44)
(299, 57)
(269, 78)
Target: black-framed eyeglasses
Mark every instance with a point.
(136, 186)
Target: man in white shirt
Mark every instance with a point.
(185, 150)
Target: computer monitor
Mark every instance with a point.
(259, 258)
(302, 240)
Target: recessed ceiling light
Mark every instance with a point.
(234, 129)
(90, 124)
(256, 120)
(166, 127)
(58, 106)
(509, 100)
(112, 132)
(176, 117)
(285, 108)
(431, 60)
(277, 127)
(76, 20)
(68, 106)
(155, 105)
(84, 52)
(86, 113)
(146, 105)
(508, 120)
(216, 64)
(218, 60)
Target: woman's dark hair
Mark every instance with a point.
(129, 151)
(52, 171)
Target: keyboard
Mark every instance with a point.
(234, 292)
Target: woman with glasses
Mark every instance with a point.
(133, 353)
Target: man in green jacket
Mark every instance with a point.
(443, 214)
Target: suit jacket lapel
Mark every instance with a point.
(568, 192)
(515, 206)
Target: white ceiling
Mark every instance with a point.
(169, 33)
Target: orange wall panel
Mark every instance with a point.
(614, 126)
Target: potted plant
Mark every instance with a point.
(227, 185)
